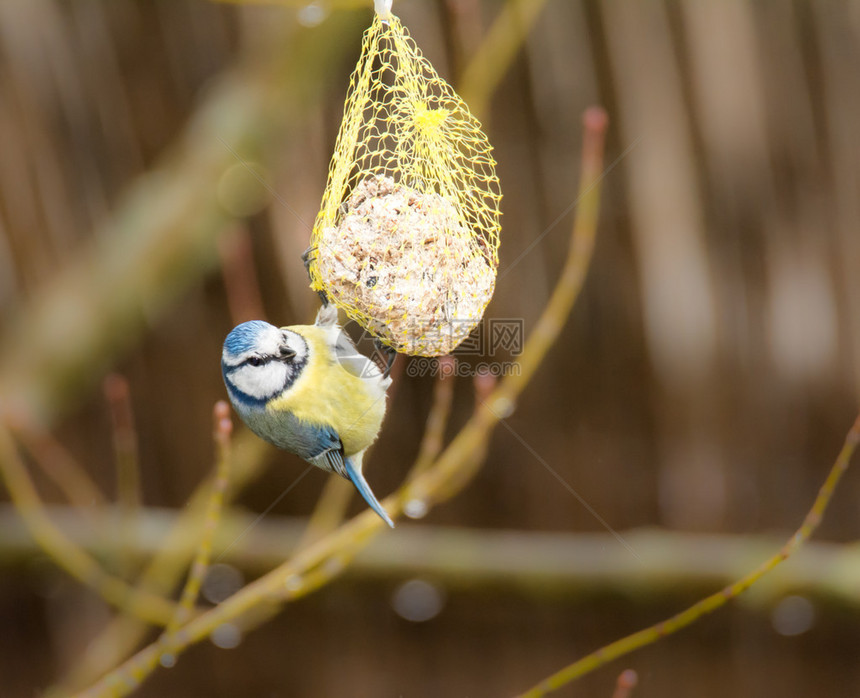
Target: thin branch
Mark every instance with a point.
(241, 284)
(490, 63)
(329, 510)
(556, 564)
(169, 560)
(57, 463)
(707, 605)
(502, 400)
(125, 442)
(625, 683)
(222, 432)
(146, 606)
(437, 419)
(126, 457)
(137, 673)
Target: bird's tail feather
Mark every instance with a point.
(354, 474)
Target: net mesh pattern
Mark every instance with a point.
(406, 240)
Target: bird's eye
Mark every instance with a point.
(256, 361)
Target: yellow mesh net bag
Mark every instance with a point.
(406, 240)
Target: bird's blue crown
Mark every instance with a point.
(243, 337)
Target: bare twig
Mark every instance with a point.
(57, 463)
(141, 604)
(502, 400)
(240, 277)
(491, 61)
(222, 431)
(437, 419)
(137, 673)
(625, 684)
(126, 454)
(707, 605)
(329, 510)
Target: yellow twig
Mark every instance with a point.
(144, 605)
(329, 510)
(63, 470)
(437, 419)
(711, 603)
(501, 401)
(484, 384)
(497, 51)
(121, 635)
(135, 673)
(126, 456)
(222, 432)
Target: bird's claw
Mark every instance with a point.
(307, 258)
(388, 353)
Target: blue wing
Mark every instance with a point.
(325, 450)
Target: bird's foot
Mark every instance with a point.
(307, 258)
(388, 353)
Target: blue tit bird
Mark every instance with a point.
(307, 389)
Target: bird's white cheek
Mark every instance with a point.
(261, 382)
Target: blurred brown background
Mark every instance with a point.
(703, 384)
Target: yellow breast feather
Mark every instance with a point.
(326, 394)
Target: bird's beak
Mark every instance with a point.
(364, 490)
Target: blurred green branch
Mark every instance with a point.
(497, 51)
(537, 563)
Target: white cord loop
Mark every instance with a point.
(383, 8)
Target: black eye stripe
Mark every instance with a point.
(285, 354)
